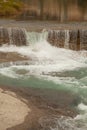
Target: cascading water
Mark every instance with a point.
(49, 66)
(70, 39)
(66, 45)
(35, 37)
(13, 36)
(57, 38)
(83, 39)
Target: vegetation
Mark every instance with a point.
(10, 7)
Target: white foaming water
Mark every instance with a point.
(60, 123)
(81, 119)
(66, 123)
(40, 51)
(82, 107)
(45, 58)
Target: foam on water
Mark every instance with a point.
(60, 123)
(82, 107)
(66, 123)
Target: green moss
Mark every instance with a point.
(10, 7)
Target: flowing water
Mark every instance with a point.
(50, 67)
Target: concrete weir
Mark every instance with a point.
(69, 39)
(13, 36)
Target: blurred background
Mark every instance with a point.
(60, 10)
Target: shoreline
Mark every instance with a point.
(41, 102)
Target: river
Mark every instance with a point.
(53, 68)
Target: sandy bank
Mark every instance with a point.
(12, 110)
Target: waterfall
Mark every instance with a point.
(35, 37)
(13, 36)
(66, 45)
(56, 38)
(4, 36)
(73, 34)
(69, 39)
(83, 39)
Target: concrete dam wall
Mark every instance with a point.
(13, 36)
(69, 39)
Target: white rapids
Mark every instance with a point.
(48, 58)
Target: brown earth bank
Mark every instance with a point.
(36, 103)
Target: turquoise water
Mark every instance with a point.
(74, 81)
